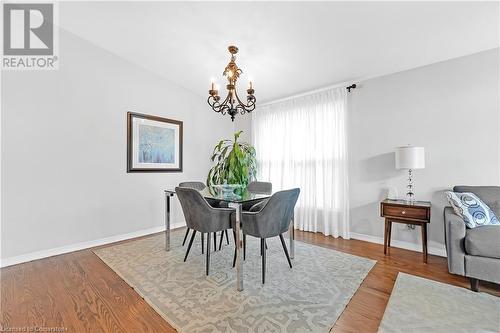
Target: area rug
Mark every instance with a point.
(308, 298)
(421, 305)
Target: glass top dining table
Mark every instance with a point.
(236, 202)
(238, 196)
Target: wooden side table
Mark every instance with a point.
(400, 211)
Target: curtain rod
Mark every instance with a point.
(310, 92)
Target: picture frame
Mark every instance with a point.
(154, 144)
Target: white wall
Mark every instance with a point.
(64, 177)
(450, 108)
(244, 123)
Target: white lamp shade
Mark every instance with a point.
(410, 157)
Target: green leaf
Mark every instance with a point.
(237, 135)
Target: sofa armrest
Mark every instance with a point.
(454, 233)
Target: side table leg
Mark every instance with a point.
(424, 241)
(389, 234)
(385, 236)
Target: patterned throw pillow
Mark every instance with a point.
(471, 209)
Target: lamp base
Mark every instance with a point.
(410, 195)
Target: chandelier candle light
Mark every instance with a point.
(232, 103)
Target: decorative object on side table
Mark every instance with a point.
(235, 163)
(154, 144)
(232, 104)
(400, 211)
(410, 158)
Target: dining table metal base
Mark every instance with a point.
(168, 195)
(239, 245)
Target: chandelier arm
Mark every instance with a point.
(211, 101)
(240, 102)
(249, 107)
(224, 106)
(224, 103)
(251, 103)
(237, 97)
(216, 106)
(241, 109)
(224, 109)
(244, 109)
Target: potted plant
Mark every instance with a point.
(235, 163)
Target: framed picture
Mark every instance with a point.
(154, 144)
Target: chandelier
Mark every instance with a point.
(232, 104)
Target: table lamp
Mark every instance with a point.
(410, 158)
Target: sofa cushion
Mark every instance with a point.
(483, 241)
(489, 194)
(471, 209)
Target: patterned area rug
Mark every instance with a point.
(421, 305)
(308, 298)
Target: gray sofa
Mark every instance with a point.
(474, 253)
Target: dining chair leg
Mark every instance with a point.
(244, 247)
(265, 245)
(221, 239)
(227, 236)
(202, 242)
(190, 244)
(263, 250)
(286, 250)
(185, 236)
(208, 253)
(215, 241)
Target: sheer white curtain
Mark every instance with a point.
(302, 143)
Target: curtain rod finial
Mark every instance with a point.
(352, 86)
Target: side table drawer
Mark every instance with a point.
(404, 212)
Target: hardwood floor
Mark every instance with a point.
(77, 292)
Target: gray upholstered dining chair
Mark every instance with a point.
(260, 187)
(255, 187)
(196, 185)
(199, 186)
(201, 217)
(270, 218)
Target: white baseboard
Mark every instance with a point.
(438, 251)
(83, 245)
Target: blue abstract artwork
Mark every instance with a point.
(156, 144)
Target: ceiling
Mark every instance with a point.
(284, 47)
